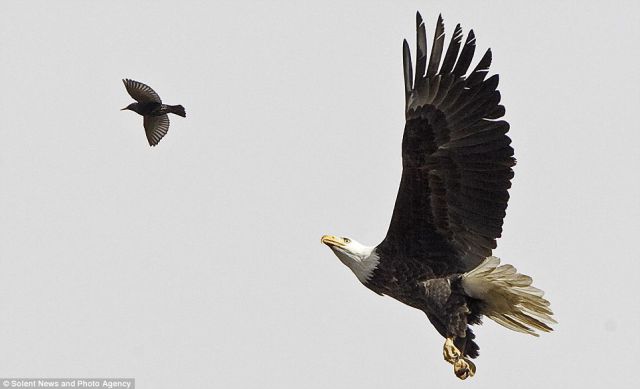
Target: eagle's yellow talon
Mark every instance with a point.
(450, 352)
(464, 368)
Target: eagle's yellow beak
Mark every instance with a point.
(331, 241)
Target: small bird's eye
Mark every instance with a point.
(346, 240)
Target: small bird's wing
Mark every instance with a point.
(156, 127)
(456, 156)
(141, 92)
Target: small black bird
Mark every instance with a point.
(149, 105)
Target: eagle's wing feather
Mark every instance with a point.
(456, 156)
(140, 92)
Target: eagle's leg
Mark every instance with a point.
(452, 325)
(462, 367)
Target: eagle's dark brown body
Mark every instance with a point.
(435, 291)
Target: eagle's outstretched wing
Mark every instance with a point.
(456, 156)
(140, 92)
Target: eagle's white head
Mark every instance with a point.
(361, 259)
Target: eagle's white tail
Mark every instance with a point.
(510, 299)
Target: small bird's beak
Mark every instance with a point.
(124, 109)
(332, 241)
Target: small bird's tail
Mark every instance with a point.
(178, 110)
(509, 298)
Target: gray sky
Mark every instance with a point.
(198, 263)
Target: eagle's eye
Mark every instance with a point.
(346, 240)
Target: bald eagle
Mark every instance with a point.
(456, 171)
